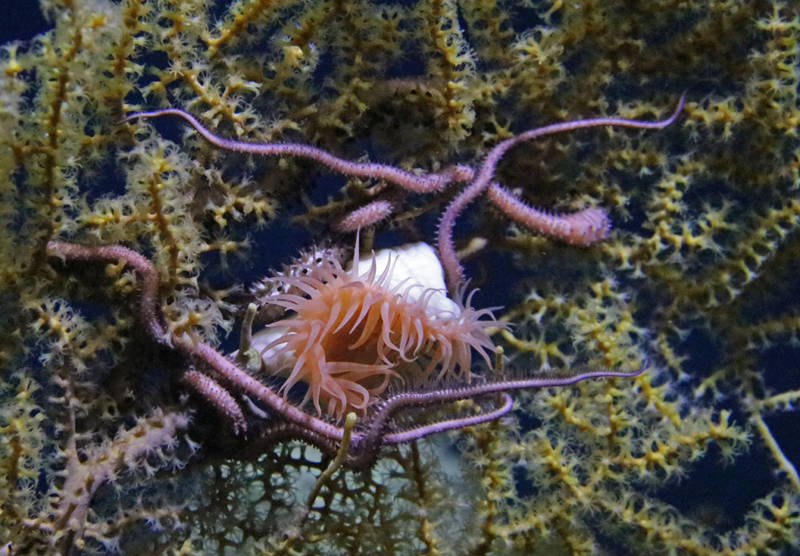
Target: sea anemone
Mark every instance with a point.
(350, 331)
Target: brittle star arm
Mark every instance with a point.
(363, 451)
(418, 183)
(149, 315)
(218, 396)
(366, 444)
(483, 177)
(450, 424)
(147, 310)
(301, 424)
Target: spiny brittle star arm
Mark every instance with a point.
(507, 203)
(417, 183)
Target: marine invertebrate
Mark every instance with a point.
(582, 228)
(290, 421)
(365, 216)
(698, 274)
(351, 330)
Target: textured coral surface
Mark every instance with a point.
(102, 449)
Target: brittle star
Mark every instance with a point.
(582, 227)
(285, 420)
(288, 420)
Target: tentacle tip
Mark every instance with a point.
(130, 117)
(678, 110)
(588, 226)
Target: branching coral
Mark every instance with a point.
(101, 448)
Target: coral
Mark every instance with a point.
(108, 441)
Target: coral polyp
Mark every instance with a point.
(352, 330)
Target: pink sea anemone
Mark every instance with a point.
(351, 331)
